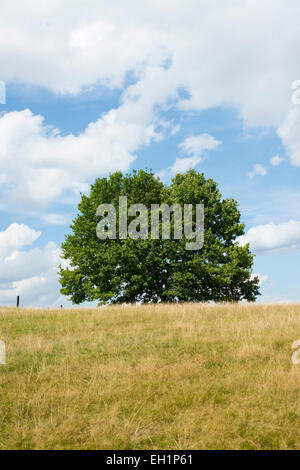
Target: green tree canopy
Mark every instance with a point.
(127, 270)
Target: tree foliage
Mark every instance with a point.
(126, 270)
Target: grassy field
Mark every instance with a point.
(150, 377)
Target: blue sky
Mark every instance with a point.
(91, 89)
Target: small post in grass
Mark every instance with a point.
(18, 301)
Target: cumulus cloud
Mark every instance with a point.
(195, 146)
(259, 170)
(80, 46)
(167, 47)
(15, 237)
(183, 164)
(273, 237)
(39, 166)
(28, 272)
(276, 160)
(101, 43)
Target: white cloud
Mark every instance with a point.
(39, 166)
(167, 46)
(91, 36)
(276, 160)
(24, 264)
(257, 170)
(271, 237)
(289, 131)
(183, 164)
(28, 272)
(103, 41)
(15, 237)
(195, 146)
(69, 46)
(56, 219)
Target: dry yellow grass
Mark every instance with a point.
(150, 377)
